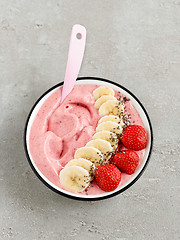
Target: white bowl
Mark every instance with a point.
(139, 107)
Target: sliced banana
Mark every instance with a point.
(108, 136)
(118, 110)
(74, 178)
(90, 153)
(109, 126)
(112, 118)
(104, 90)
(102, 100)
(84, 163)
(103, 146)
(112, 107)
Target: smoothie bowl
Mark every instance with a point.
(93, 146)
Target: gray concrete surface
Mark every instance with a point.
(134, 42)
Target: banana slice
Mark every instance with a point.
(84, 163)
(98, 92)
(90, 153)
(112, 107)
(108, 136)
(103, 146)
(74, 178)
(112, 118)
(110, 126)
(102, 100)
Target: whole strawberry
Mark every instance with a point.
(134, 137)
(107, 177)
(126, 161)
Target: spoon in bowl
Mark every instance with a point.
(75, 57)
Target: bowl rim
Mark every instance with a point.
(79, 197)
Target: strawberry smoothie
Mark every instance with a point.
(58, 130)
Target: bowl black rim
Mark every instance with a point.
(79, 197)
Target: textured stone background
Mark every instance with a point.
(133, 42)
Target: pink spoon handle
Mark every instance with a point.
(75, 56)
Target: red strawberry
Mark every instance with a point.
(134, 137)
(126, 161)
(107, 177)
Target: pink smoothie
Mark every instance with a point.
(58, 130)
